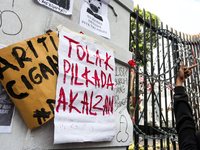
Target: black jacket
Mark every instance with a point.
(187, 137)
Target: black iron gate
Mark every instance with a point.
(158, 56)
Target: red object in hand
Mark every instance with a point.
(132, 63)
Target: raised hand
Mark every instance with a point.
(184, 72)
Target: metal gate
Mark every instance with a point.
(158, 56)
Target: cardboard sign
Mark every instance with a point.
(61, 6)
(28, 72)
(93, 16)
(85, 91)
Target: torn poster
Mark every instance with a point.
(7, 109)
(29, 73)
(85, 91)
(93, 16)
(61, 6)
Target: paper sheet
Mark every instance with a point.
(61, 6)
(93, 16)
(85, 91)
(7, 109)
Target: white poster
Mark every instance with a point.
(93, 16)
(61, 6)
(7, 109)
(85, 91)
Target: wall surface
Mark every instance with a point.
(36, 20)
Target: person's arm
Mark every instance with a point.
(183, 113)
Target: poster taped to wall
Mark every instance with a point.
(93, 16)
(7, 109)
(61, 6)
(85, 91)
(29, 73)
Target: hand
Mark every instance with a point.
(184, 72)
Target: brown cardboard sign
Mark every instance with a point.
(28, 72)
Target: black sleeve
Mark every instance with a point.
(184, 122)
